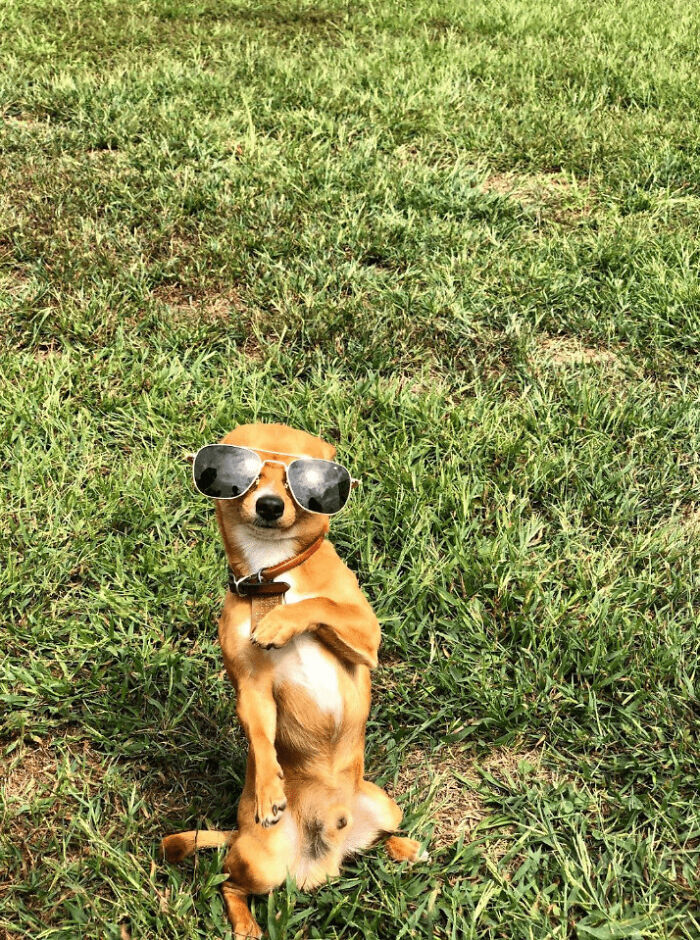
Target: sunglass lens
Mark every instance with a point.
(319, 485)
(224, 471)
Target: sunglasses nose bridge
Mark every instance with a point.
(276, 476)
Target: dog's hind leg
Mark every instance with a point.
(181, 844)
(256, 863)
(243, 923)
(375, 814)
(402, 849)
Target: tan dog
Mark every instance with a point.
(302, 678)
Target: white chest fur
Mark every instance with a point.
(259, 552)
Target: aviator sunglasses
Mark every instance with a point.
(227, 471)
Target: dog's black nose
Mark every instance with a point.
(269, 507)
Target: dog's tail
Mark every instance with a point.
(182, 844)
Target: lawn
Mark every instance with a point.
(460, 240)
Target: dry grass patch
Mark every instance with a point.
(23, 121)
(44, 787)
(529, 187)
(570, 351)
(406, 153)
(224, 309)
(683, 525)
(41, 780)
(208, 308)
(101, 153)
(35, 769)
(561, 198)
(393, 673)
(450, 781)
(46, 351)
(690, 520)
(14, 283)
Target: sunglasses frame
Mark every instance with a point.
(279, 453)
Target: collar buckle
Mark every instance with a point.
(236, 584)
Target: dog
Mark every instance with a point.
(301, 671)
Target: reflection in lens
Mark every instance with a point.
(224, 470)
(206, 480)
(319, 485)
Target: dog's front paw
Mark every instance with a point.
(275, 629)
(270, 802)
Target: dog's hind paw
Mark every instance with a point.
(402, 849)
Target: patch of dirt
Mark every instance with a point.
(14, 283)
(47, 793)
(209, 308)
(22, 120)
(527, 186)
(41, 781)
(21, 182)
(451, 783)
(316, 21)
(690, 520)
(569, 351)
(441, 24)
(385, 675)
(406, 153)
(101, 153)
(684, 525)
(564, 198)
(48, 351)
(504, 763)
(38, 774)
(33, 770)
(166, 796)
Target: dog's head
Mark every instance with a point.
(267, 513)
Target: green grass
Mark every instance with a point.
(461, 240)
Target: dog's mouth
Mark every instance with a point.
(271, 526)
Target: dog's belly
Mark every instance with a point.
(322, 702)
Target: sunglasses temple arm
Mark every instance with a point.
(189, 458)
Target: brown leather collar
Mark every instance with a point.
(262, 583)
